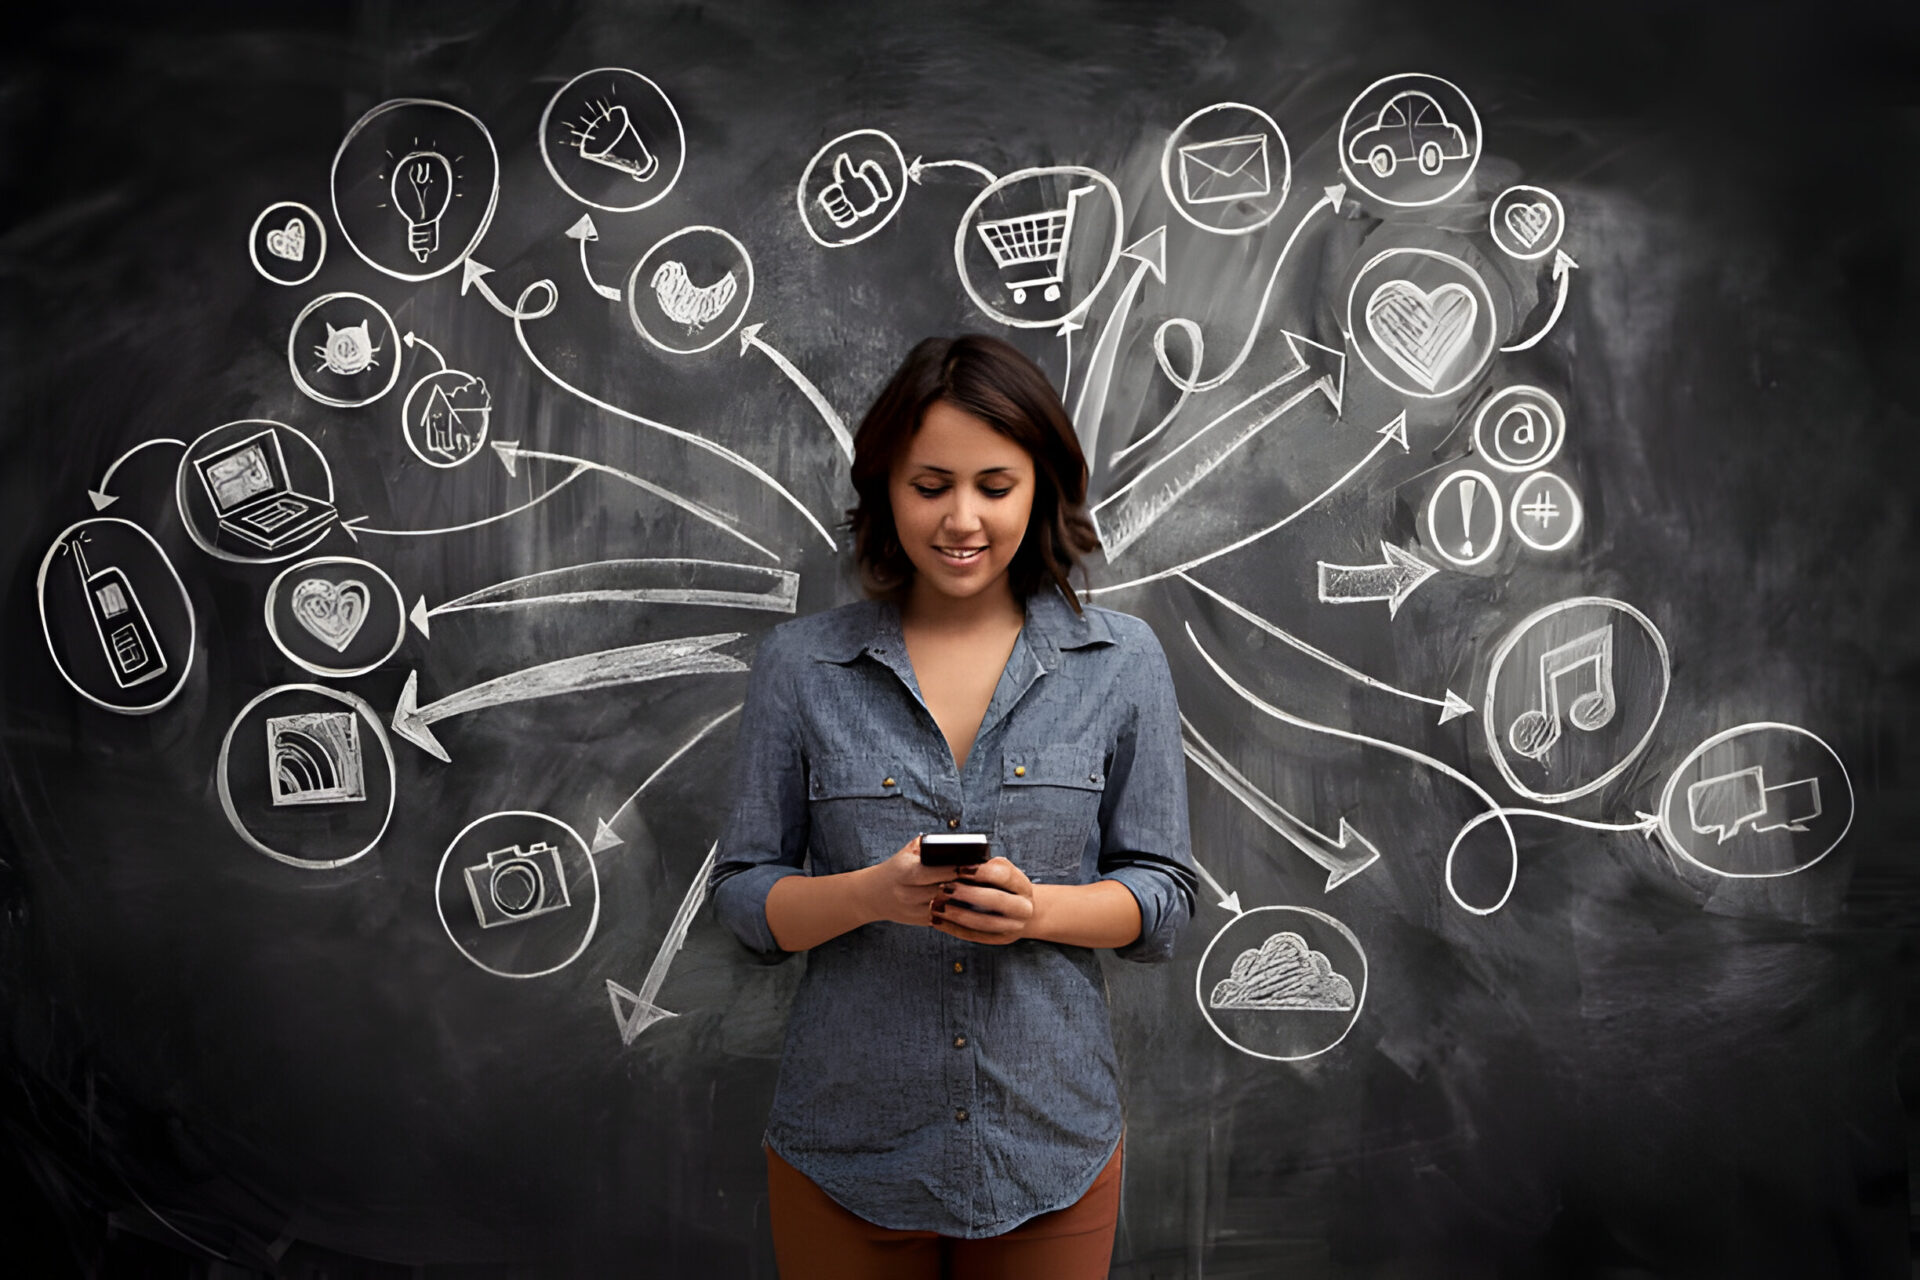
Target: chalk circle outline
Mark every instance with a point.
(1357, 328)
(1479, 138)
(1493, 736)
(1522, 394)
(1573, 505)
(486, 218)
(193, 530)
(1499, 518)
(633, 289)
(1180, 205)
(679, 131)
(806, 176)
(406, 416)
(46, 630)
(313, 219)
(273, 626)
(1678, 845)
(1359, 1000)
(293, 351)
(354, 703)
(1495, 218)
(593, 875)
(1000, 184)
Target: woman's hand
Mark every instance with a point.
(991, 903)
(903, 889)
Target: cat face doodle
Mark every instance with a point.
(348, 351)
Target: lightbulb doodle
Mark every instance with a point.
(414, 186)
(612, 139)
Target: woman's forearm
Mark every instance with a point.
(805, 911)
(1101, 914)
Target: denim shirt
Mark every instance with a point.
(930, 1083)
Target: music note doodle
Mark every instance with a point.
(1535, 730)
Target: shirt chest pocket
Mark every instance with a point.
(1049, 808)
(865, 805)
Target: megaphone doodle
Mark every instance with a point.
(610, 139)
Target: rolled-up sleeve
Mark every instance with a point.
(765, 838)
(1144, 841)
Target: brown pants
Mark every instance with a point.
(814, 1238)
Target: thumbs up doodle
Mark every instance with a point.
(854, 192)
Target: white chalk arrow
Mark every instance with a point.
(1192, 381)
(583, 231)
(604, 836)
(1392, 580)
(719, 451)
(641, 1008)
(1325, 851)
(1395, 432)
(1231, 901)
(920, 166)
(1127, 513)
(1451, 706)
(718, 583)
(413, 339)
(99, 496)
(509, 452)
(358, 525)
(473, 276)
(1149, 254)
(750, 338)
(1480, 793)
(629, 665)
(1563, 269)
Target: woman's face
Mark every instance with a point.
(961, 493)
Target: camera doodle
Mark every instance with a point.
(516, 884)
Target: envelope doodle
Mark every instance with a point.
(1228, 169)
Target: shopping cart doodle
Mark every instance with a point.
(1033, 239)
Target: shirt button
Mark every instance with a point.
(886, 782)
(1093, 777)
(953, 824)
(959, 1042)
(960, 1114)
(958, 967)
(1019, 771)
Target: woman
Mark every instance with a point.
(948, 1092)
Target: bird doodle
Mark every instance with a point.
(687, 303)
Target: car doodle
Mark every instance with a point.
(1411, 127)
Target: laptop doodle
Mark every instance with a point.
(247, 484)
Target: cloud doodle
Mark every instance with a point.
(1283, 973)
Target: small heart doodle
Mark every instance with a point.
(1423, 332)
(289, 243)
(1529, 222)
(333, 611)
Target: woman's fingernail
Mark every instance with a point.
(939, 908)
(947, 887)
(966, 871)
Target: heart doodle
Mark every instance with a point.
(333, 611)
(1423, 332)
(1529, 222)
(290, 243)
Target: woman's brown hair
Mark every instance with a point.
(993, 381)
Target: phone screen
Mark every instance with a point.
(954, 849)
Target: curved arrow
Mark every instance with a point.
(716, 583)
(919, 166)
(643, 1011)
(583, 231)
(357, 526)
(1451, 706)
(1392, 580)
(1193, 381)
(100, 498)
(1254, 700)
(697, 441)
(628, 665)
(604, 836)
(473, 276)
(1231, 901)
(1648, 823)
(750, 337)
(1149, 253)
(1322, 849)
(413, 339)
(510, 452)
(1563, 269)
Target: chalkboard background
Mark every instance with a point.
(218, 1062)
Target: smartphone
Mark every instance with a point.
(953, 849)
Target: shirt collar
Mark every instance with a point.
(1052, 625)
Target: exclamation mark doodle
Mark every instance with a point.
(1466, 514)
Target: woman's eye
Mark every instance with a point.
(926, 492)
(998, 493)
